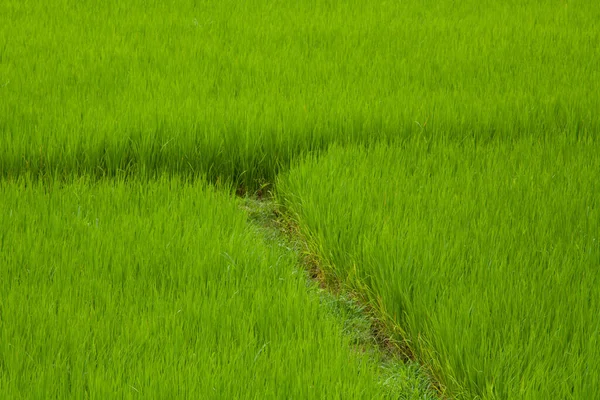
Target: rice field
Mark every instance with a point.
(238, 89)
(160, 289)
(437, 160)
(486, 256)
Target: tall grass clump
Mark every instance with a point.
(237, 89)
(160, 289)
(485, 256)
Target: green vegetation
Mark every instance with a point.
(401, 377)
(237, 89)
(486, 256)
(160, 290)
(439, 156)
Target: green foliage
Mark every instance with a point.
(159, 290)
(475, 230)
(485, 255)
(237, 89)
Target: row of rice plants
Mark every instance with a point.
(131, 289)
(237, 89)
(485, 256)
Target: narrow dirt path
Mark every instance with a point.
(400, 374)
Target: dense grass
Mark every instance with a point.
(236, 89)
(486, 256)
(476, 231)
(162, 290)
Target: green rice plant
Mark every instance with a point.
(485, 256)
(235, 89)
(160, 289)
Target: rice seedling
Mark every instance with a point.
(464, 207)
(160, 289)
(236, 90)
(485, 256)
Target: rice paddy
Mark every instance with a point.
(486, 256)
(236, 90)
(159, 289)
(436, 159)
